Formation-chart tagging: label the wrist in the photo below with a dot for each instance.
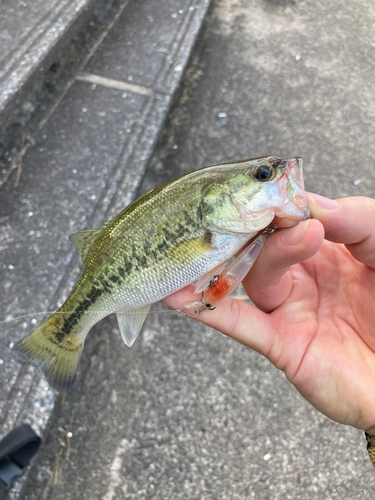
(370, 447)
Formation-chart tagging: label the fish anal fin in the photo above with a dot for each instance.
(83, 241)
(130, 323)
(204, 282)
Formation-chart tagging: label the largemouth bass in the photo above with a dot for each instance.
(168, 238)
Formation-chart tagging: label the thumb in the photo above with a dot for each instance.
(350, 221)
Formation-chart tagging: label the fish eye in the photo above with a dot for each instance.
(265, 172)
(208, 306)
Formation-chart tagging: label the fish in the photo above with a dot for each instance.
(176, 234)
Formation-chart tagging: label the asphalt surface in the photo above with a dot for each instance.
(188, 413)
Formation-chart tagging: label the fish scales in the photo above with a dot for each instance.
(138, 256)
(163, 241)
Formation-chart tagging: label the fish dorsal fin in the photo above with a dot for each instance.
(130, 323)
(83, 241)
(204, 282)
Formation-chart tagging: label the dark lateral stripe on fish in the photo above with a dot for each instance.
(128, 266)
(83, 305)
(57, 338)
(141, 260)
(169, 235)
(164, 245)
(95, 292)
(137, 261)
(194, 223)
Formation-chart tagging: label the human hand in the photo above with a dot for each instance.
(314, 286)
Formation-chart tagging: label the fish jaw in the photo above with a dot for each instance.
(292, 191)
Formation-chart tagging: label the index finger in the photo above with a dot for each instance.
(239, 320)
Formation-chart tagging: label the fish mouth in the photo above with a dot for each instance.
(292, 188)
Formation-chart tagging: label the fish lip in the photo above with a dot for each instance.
(300, 180)
(294, 169)
(291, 186)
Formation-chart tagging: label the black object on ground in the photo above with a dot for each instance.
(16, 451)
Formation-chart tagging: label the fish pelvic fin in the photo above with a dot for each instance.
(54, 352)
(130, 323)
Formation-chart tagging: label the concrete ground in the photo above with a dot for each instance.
(187, 413)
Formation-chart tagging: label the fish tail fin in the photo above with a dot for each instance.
(54, 352)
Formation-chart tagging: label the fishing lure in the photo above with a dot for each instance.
(222, 284)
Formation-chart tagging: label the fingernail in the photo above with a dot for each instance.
(295, 236)
(322, 202)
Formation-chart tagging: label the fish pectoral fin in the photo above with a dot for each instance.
(83, 241)
(204, 282)
(130, 323)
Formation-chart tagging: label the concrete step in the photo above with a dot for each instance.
(39, 41)
(30, 30)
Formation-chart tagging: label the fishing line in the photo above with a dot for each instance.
(8, 344)
(10, 320)
(267, 232)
